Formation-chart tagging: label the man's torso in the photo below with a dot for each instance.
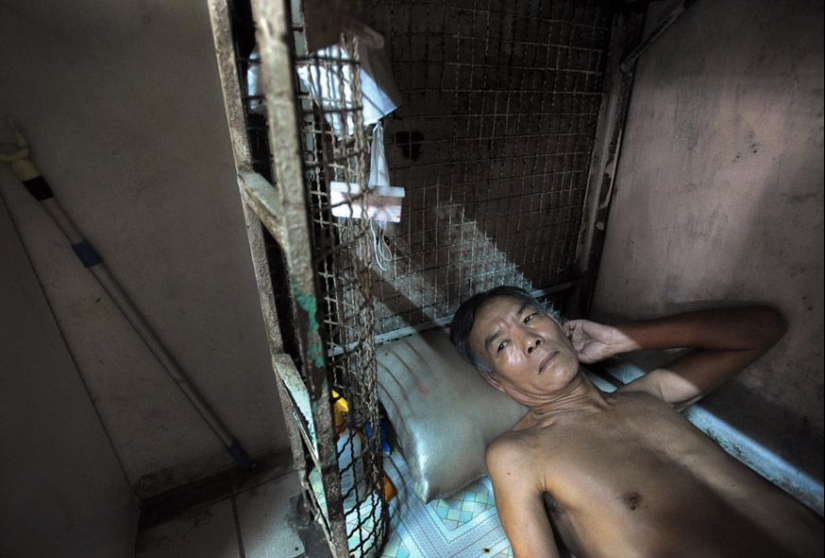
(637, 479)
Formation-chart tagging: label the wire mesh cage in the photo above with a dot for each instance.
(337, 377)
(490, 137)
(492, 143)
(334, 151)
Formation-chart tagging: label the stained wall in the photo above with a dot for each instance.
(719, 194)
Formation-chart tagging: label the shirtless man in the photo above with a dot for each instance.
(623, 474)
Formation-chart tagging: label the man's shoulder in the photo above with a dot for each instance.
(519, 444)
(508, 443)
(509, 452)
(543, 444)
(521, 458)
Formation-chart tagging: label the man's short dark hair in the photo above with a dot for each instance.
(465, 316)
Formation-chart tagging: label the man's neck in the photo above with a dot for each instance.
(579, 395)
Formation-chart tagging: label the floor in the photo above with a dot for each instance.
(254, 516)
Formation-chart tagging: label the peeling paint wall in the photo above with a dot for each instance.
(719, 194)
(121, 103)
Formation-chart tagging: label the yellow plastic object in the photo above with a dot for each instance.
(340, 408)
(389, 489)
(20, 160)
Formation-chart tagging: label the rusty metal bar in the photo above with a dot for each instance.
(274, 37)
(225, 53)
(263, 199)
(630, 60)
(627, 29)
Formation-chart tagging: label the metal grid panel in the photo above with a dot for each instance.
(493, 145)
(354, 511)
(334, 148)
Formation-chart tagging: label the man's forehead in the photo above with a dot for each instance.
(500, 307)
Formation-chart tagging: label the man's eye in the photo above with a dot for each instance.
(501, 346)
(529, 318)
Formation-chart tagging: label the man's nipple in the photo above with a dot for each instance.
(632, 499)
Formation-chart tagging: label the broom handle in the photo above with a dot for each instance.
(24, 168)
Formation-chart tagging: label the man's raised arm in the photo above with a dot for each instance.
(723, 343)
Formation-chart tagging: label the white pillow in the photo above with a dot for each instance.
(443, 412)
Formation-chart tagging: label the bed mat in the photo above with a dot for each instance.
(463, 525)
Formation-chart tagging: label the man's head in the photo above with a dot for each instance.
(517, 345)
(464, 319)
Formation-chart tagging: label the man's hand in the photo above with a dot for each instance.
(594, 342)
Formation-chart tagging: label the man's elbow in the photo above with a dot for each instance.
(771, 326)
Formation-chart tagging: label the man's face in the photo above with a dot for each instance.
(525, 347)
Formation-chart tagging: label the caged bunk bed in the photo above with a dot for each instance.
(395, 157)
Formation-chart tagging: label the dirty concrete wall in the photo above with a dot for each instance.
(719, 192)
(121, 103)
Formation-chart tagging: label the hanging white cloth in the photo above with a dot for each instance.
(330, 81)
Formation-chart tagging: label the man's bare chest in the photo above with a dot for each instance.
(631, 457)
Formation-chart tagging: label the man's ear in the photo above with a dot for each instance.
(493, 380)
